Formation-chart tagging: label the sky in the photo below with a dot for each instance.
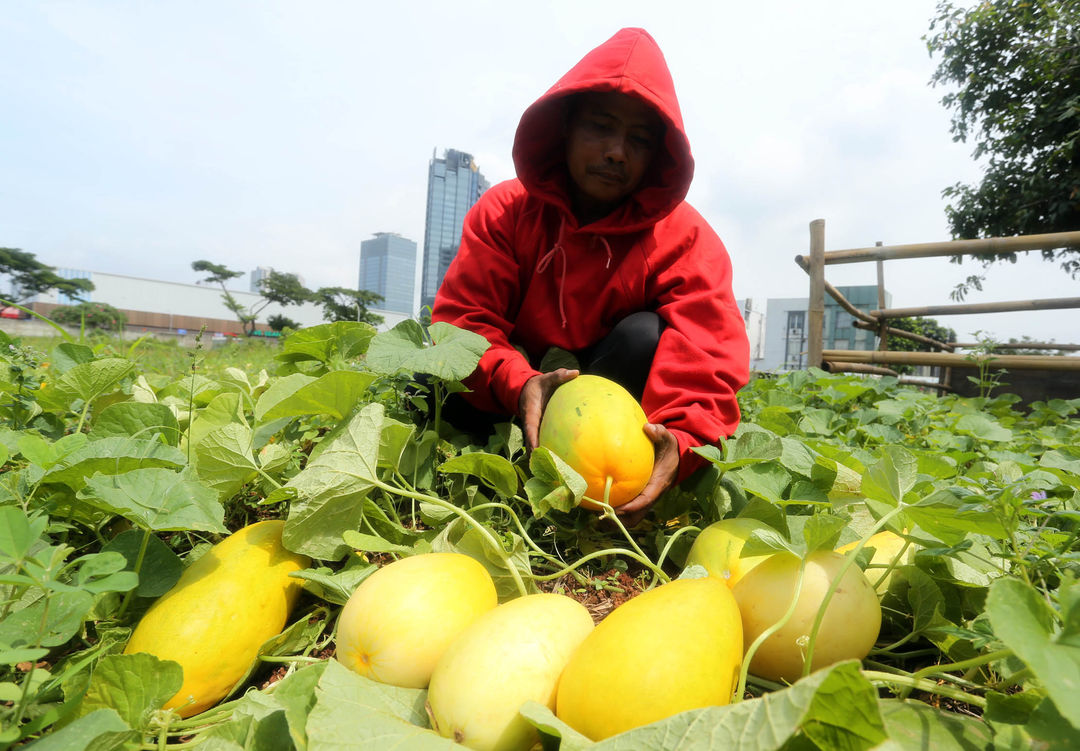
(136, 138)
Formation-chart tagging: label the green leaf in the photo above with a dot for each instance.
(888, 479)
(112, 456)
(496, 471)
(66, 355)
(333, 485)
(161, 567)
(951, 519)
(223, 409)
(372, 544)
(102, 730)
(915, 726)
(822, 531)
(325, 342)
(157, 499)
(104, 572)
(1024, 622)
(225, 461)
(352, 712)
(18, 533)
(89, 380)
(134, 685)
(766, 480)
(335, 394)
(453, 355)
(554, 484)
(138, 420)
(983, 428)
(48, 622)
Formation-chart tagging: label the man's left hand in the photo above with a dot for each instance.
(665, 471)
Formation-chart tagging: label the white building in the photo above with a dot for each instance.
(159, 305)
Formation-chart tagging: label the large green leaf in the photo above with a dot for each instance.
(1022, 619)
(496, 471)
(112, 456)
(331, 488)
(89, 380)
(335, 394)
(102, 730)
(156, 499)
(352, 712)
(134, 685)
(225, 460)
(452, 355)
(137, 419)
(46, 622)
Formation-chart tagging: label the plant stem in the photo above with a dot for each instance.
(745, 669)
(483, 531)
(130, 594)
(835, 584)
(909, 683)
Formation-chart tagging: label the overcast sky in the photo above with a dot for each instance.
(138, 137)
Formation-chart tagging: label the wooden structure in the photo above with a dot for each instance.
(882, 360)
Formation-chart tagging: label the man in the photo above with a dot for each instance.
(593, 249)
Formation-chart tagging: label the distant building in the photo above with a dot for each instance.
(786, 327)
(388, 268)
(155, 305)
(755, 329)
(454, 185)
(257, 275)
(261, 272)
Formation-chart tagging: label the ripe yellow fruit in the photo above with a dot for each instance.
(508, 656)
(401, 619)
(225, 605)
(848, 631)
(887, 546)
(719, 546)
(673, 648)
(596, 426)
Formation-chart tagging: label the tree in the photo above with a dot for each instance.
(927, 327)
(344, 304)
(1016, 69)
(30, 277)
(276, 287)
(278, 322)
(94, 315)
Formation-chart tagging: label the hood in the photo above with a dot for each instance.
(629, 63)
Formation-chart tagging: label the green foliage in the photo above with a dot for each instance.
(91, 315)
(1014, 70)
(29, 276)
(275, 287)
(118, 467)
(344, 304)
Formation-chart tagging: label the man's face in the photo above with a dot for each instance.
(611, 139)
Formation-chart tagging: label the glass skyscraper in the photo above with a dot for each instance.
(388, 268)
(454, 185)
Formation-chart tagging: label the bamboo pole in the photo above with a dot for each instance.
(835, 294)
(883, 328)
(986, 246)
(815, 323)
(1055, 303)
(952, 359)
(905, 335)
(857, 367)
(1019, 345)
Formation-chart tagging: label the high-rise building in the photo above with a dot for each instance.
(388, 268)
(257, 275)
(454, 185)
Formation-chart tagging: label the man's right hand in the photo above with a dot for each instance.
(534, 398)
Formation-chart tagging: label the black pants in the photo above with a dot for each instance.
(625, 356)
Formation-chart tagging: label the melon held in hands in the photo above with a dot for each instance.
(596, 426)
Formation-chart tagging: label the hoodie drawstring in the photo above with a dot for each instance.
(558, 249)
(546, 260)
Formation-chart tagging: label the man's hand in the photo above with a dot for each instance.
(665, 471)
(534, 398)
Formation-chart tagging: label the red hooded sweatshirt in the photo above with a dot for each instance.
(527, 275)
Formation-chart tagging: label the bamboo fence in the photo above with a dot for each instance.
(882, 361)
